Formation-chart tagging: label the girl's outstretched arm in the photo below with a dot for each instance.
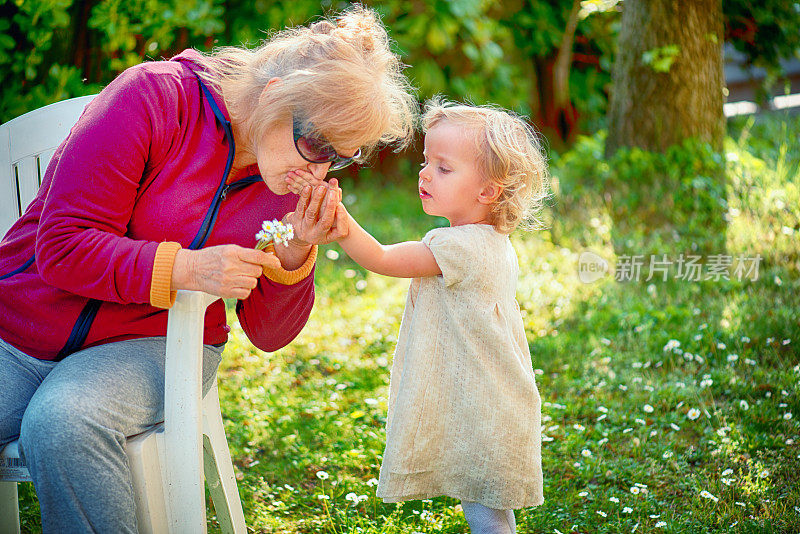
(409, 259)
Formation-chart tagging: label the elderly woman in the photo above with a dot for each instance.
(162, 185)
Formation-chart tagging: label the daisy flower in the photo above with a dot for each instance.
(706, 495)
(276, 231)
(693, 414)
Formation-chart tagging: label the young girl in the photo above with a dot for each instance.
(464, 411)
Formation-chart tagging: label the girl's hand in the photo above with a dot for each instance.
(227, 271)
(297, 179)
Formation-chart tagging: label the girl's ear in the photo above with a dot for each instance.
(490, 193)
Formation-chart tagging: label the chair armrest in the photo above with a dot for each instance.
(183, 413)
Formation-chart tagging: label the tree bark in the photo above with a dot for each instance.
(654, 110)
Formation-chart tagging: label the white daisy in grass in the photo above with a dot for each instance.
(744, 405)
(693, 414)
(667, 455)
(707, 495)
(372, 482)
(635, 490)
(601, 513)
(586, 453)
(787, 416)
(732, 357)
(661, 524)
(322, 475)
(671, 345)
(674, 427)
(627, 510)
(613, 499)
(647, 408)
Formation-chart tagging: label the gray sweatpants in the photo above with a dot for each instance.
(72, 417)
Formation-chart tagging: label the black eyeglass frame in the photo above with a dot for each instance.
(337, 160)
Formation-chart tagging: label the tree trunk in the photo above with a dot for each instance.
(652, 108)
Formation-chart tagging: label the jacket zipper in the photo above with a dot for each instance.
(18, 270)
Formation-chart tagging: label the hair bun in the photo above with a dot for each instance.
(361, 27)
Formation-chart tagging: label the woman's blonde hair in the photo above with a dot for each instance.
(508, 153)
(338, 74)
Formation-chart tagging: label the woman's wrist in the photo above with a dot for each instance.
(294, 255)
(182, 271)
(288, 277)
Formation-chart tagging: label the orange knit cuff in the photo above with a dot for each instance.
(161, 295)
(288, 278)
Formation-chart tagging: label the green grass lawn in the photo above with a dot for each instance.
(669, 406)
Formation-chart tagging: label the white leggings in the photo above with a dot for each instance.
(484, 520)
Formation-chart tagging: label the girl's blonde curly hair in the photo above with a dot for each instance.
(509, 154)
(337, 74)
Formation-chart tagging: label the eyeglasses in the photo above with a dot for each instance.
(318, 149)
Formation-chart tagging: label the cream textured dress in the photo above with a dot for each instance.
(464, 416)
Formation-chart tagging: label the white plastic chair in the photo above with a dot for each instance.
(168, 461)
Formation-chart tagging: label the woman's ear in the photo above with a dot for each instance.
(490, 193)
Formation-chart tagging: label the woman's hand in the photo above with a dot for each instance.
(319, 217)
(227, 271)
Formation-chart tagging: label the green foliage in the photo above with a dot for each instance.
(55, 49)
(479, 50)
(765, 31)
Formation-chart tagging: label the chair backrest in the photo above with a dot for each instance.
(26, 145)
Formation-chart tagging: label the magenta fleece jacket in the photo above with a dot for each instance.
(144, 164)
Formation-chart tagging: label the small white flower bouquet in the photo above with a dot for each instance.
(276, 231)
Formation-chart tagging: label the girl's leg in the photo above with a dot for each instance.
(484, 520)
(20, 375)
(74, 430)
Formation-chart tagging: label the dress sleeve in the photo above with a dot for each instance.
(94, 178)
(451, 251)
